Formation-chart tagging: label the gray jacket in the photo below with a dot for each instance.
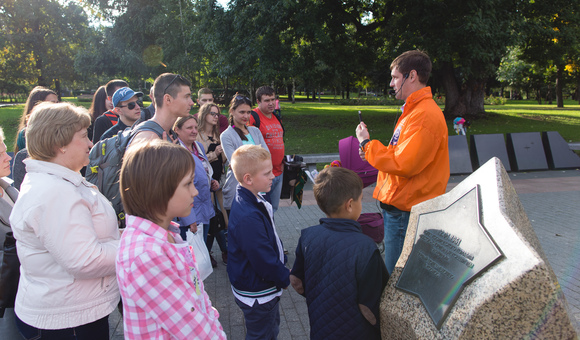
(231, 141)
(6, 209)
(7, 324)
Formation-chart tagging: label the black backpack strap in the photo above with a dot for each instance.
(280, 121)
(256, 118)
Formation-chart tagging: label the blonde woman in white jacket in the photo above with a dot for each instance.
(66, 233)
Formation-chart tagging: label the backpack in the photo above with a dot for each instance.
(257, 120)
(105, 161)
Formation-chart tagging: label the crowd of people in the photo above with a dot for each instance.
(78, 265)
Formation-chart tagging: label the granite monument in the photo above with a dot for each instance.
(473, 268)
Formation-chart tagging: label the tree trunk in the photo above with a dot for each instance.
(470, 100)
(467, 100)
(559, 86)
(451, 87)
(41, 79)
(293, 91)
(347, 90)
(578, 88)
(226, 90)
(57, 88)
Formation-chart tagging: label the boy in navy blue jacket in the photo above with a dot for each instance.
(339, 269)
(256, 260)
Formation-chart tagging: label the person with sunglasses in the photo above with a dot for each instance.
(109, 118)
(126, 107)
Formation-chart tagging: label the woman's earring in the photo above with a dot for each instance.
(63, 150)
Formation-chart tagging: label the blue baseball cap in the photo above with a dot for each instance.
(124, 93)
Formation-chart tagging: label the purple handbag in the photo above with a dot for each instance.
(373, 226)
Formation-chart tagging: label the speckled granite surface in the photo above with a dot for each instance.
(516, 298)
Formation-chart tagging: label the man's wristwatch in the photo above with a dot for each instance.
(363, 143)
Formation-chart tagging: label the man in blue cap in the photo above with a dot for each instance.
(126, 107)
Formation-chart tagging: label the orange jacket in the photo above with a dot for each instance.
(415, 164)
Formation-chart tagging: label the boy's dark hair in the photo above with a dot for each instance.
(334, 186)
(114, 85)
(168, 83)
(414, 60)
(264, 90)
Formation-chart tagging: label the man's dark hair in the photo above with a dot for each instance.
(168, 83)
(114, 85)
(264, 90)
(335, 186)
(414, 60)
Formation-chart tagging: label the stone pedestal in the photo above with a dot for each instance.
(473, 251)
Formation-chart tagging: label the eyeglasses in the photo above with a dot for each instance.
(240, 97)
(171, 82)
(215, 114)
(130, 105)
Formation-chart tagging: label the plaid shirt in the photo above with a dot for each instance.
(163, 295)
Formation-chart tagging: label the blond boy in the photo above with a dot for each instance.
(256, 260)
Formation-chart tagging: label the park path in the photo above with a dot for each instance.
(551, 200)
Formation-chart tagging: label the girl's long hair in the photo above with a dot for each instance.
(37, 95)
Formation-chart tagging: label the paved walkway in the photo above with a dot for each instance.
(551, 200)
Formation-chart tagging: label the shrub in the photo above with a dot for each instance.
(491, 100)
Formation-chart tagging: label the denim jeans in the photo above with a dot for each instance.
(274, 195)
(262, 321)
(97, 330)
(396, 222)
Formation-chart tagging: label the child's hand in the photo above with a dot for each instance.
(193, 227)
(297, 284)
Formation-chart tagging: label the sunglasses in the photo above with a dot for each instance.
(130, 105)
(240, 97)
(173, 80)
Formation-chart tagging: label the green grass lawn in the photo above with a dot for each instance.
(316, 127)
(313, 127)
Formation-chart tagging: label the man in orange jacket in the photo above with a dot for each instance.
(414, 166)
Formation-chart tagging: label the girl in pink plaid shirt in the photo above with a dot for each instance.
(163, 294)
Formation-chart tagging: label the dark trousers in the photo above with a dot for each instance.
(221, 240)
(262, 321)
(97, 330)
